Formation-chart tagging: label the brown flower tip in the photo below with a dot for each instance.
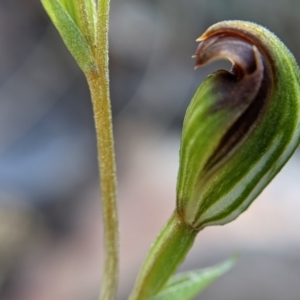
(245, 88)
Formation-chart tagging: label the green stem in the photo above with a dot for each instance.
(106, 160)
(99, 87)
(166, 254)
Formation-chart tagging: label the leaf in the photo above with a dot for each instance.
(187, 285)
(71, 34)
(88, 9)
(83, 13)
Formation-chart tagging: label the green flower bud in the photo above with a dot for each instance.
(241, 126)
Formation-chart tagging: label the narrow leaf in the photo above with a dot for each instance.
(87, 19)
(186, 286)
(71, 7)
(71, 34)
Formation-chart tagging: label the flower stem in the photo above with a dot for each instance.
(166, 254)
(99, 87)
(106, 159)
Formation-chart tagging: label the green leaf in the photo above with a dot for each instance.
(187, 285)
(90, 11)
(83, 13)
(71, 7)
(71, 34)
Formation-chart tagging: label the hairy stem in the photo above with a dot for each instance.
(103, 123)
(99, 86)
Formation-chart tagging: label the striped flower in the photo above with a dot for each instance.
(241, 126)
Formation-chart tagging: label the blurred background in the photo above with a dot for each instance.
(50, 225)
